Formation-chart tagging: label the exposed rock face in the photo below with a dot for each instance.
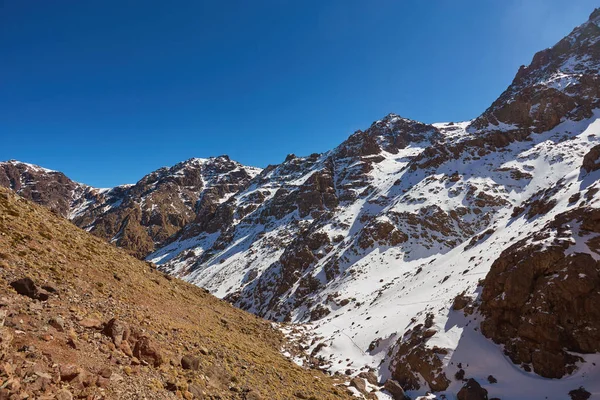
(413, 359)
(51, 189)
(472, 390)
(395, 390)
(591, 161)
(541, 303)
(135, 217)
(561, 82)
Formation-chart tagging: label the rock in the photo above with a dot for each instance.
(25, 287)
(472, 390)
(68, 372)
(536, 305)
(50, 289)
(580, 394)
(190, 362)
(591, 161)
(395, 390)
(105, 372)
(359, 384)
(91, 323)
(102, 382)
(64, 394)
(117, 330)
(147, 350)
(461, 301)
(126, 349)
(369, 377)
(57, 323)
(414, 359)
(491, 379)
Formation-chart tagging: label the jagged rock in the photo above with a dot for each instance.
(395, 390)
(117, 330)
(146, 349)
(536, 304)
(413, 359)
(591, 161)
(68, 372)
(472, 390)
(461, 301)
(359, 384)
(580, 394)
(369, 377)
(57, 323)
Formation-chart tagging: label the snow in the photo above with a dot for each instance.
(384, 280)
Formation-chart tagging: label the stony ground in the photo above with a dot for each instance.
(82, 319)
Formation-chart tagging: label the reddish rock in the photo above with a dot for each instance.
(147, 350)
(395, 390)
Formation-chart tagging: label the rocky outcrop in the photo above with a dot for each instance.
(542, 304)
(414, 361)
(591, 161)
(561, 82)
(472, 390)
(52, 189)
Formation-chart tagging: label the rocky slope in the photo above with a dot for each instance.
(82, 319)
(452, 257)
(135, 217)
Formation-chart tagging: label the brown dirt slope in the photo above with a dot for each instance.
(56, 342)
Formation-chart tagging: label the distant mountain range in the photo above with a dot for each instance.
(431, 254)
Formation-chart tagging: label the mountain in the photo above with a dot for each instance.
(449, 257)
(461, 258)
(80, 318)
(135, 217)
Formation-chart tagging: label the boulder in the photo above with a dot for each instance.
(25, 287)
(472, 390)
(190, 362)
(360, 384)
(117, 330)
(147, 350)
(395, 390)
(591, 161)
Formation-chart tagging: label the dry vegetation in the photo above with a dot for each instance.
(60, 347)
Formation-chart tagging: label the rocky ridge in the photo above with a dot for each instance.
(135, 217)
(371, 242)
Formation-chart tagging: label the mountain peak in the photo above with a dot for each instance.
(595, 16)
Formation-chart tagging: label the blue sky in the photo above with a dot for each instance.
(107, 91)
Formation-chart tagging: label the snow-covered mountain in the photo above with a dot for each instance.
(432, 254)
(136, 217)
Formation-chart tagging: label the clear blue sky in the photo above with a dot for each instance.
(107, 91)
